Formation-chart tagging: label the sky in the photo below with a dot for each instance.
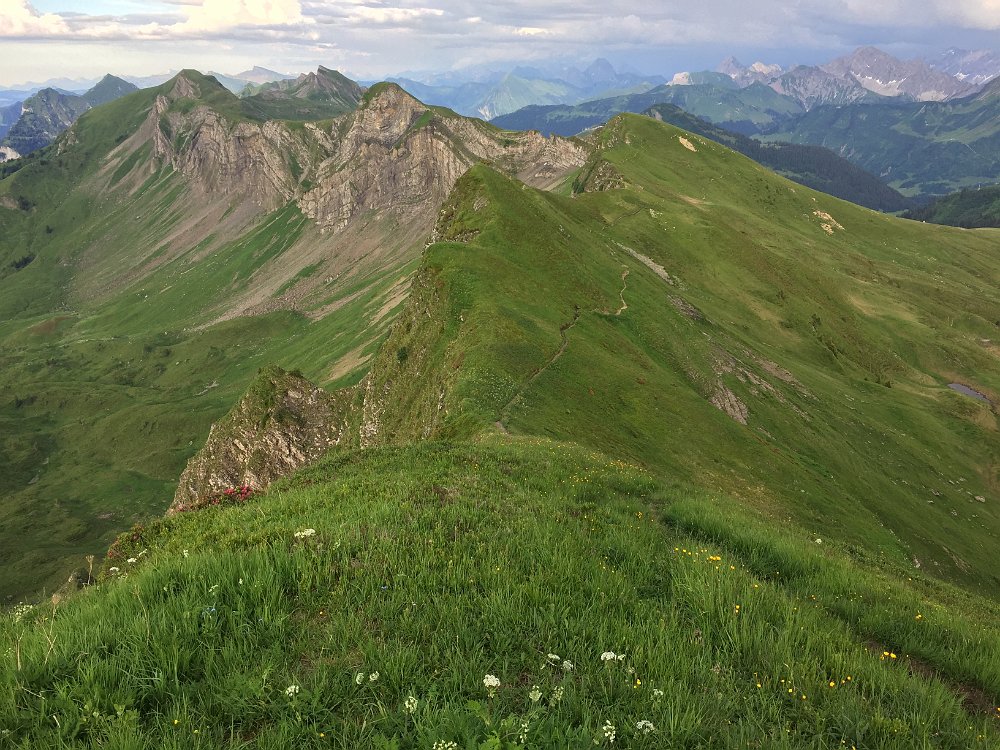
(370, 39)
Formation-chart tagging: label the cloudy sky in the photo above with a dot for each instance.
(41, 39)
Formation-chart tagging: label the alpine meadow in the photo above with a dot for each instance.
(332, 418)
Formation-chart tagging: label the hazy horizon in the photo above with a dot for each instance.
(373, 39)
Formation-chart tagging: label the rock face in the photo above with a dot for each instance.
(401, 156)
(282, 423)
(393, 154)
(812, 86)
(888, 76)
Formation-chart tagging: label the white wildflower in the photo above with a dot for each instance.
(609, 731)
(213, 588)
(522, 735)
(621, 657)
(554, 658)
(372, 677)
(557, 693)
(359, 678)
(492, 683)
(113, 569)
(305, 533)
(645, 726)
(410, 704)
(292, 690)
(609, 656)
(131, 560)
(567, 665)
(445, 745)
(657, 693)
(186, 553)
(535, 694)
(819, 541)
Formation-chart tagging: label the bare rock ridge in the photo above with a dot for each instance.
(282, 423)
(392, 154)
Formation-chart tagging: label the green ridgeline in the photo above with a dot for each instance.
(818, 577)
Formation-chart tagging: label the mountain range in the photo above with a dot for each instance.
(500, 94)
(479, 436)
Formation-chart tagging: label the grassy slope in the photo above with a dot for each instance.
(866, 443)
(107, 394)
(436, 565)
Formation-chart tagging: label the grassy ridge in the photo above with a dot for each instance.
(838, 341)
(434, 566)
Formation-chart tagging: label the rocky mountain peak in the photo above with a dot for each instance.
(886, 75)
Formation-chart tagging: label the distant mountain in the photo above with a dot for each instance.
(258, 74)
(49, 112)
(812, 86)
(311, 96)
(748, 110)
(884, 74)
(493, 95)
(919, 148)
(970, 208)
(703, 76)
(745, 75)
(973, 67)
(8, 116)
(812, 166)
(44, 116)
(107, 90)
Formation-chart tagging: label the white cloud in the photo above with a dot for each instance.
(18, 18)
(215, 15)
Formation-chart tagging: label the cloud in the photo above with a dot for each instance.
(19, 19)
(215, 15)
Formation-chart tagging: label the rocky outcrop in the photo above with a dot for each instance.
(282, 423)
(400, 156)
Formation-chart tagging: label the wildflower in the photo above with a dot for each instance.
(522, 735)
(410, 704)
(131, 560)
(535, 694)
(567, 665)
(213, 588)
(176, 722)
(657, 693)
(609, 731)
(373, 677)
(833, 684)
(445, 745)
(819, 541)
(359, 678)
(492, 683)
(609, 656)
(113, 570)
(186, 553)
(919, 616)
(554, 658)
(292, 690)
(557, 694)
(305, 533)
(645, 726)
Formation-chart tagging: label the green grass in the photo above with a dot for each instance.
(840, 345)
(434, 566)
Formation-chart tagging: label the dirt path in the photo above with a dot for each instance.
(563, 330)
(563, 344)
